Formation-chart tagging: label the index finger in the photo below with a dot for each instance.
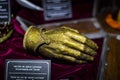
(82, 39)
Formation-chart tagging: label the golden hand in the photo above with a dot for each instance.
(62, 43)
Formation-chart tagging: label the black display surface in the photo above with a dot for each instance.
(5, 12)
(28, 70)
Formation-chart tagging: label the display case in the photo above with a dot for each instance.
(82, 16)
(112, 69)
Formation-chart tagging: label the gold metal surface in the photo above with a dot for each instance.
(61, 43)
(6, 36)
(5, 32)
(33, 38)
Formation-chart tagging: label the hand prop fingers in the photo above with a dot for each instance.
(51, 54)
(79, 46)
(82, 39)
(65, 50)
(77, 54)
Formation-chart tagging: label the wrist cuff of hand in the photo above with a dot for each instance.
(33, 38)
